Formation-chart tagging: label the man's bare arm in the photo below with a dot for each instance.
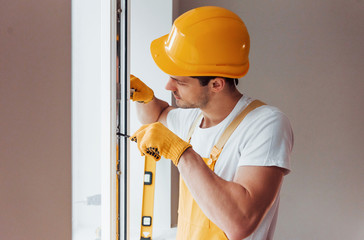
(154, 111)
(149, 108)
(237, 207)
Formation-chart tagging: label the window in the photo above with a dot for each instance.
(93, 120)
(97, 115)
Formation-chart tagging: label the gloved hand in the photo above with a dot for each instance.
(142, 92)
(157, 140)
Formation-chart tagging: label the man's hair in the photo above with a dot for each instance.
(204, 80)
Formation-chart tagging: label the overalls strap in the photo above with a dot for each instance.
(229, 130)
(193, 126)
(192, 222)
(216, 150)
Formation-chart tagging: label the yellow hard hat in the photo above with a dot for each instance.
(205, 41)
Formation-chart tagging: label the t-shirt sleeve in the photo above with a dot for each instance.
(180, 120)
(269, 141)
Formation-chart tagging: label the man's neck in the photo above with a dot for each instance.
(219, 108)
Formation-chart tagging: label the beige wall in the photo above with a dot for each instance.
(35, 125)
(307, 59)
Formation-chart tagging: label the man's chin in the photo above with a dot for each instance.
(179, 103)
(182, 104)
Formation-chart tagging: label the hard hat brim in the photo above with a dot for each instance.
(171, 67)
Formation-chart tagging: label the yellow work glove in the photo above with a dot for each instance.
(157, 140)
(142, 93)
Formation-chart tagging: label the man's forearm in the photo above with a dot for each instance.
(237, 210)
(214, 195)
(150, 112)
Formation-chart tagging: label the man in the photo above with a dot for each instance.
(232, 152)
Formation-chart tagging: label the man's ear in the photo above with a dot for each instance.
(217, 84)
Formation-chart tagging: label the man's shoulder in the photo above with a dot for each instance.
(185, 111)
(267, 115)
(182, 118)
(183, 114)
(267, 110)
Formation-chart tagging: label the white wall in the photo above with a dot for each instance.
(307, 59)
(35, 119)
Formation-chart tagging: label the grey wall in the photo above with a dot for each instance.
(35, 119)
(307, 59)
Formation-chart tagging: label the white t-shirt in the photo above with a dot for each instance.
(263, 138)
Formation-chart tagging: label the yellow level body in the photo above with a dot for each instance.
(148, 198)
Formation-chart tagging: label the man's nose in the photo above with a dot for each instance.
(170, 85)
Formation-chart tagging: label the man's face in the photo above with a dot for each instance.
(188, 92)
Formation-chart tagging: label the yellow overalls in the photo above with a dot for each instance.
(192, 222)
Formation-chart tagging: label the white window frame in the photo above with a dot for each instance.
(94, 32)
